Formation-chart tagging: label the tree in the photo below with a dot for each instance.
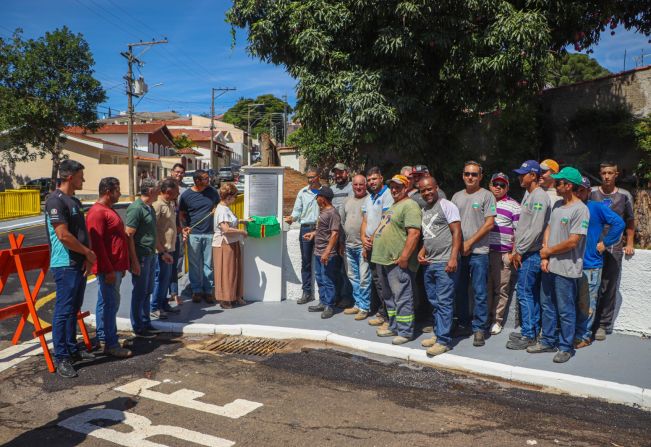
(266, 118)
(404, 75)
(573, 68)
(46, 84)
(182, 141)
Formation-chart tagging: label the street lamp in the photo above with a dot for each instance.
(249, 107)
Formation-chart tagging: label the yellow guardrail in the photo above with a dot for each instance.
(19, 203)
(238, 207)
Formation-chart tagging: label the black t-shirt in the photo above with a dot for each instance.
(198, 205)
(61, 208)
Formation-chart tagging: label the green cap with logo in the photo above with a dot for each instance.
(569, 174)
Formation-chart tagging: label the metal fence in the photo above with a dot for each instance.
(238, 207)
(19, 203)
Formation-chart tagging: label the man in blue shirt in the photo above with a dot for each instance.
(306, 212)
(593, 261)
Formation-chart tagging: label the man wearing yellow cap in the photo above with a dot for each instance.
(547, 168)
(394, 252)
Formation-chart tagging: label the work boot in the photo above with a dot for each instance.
(65, 369)
(381, 332)
(196, 297)
(351, 311)
(436, 349)
(328, 312)
(118, 352)
(316, 308)
(428, 342)
(306, 298)
(479, 339)
(515, 336)
(539, 348)
(400, 340)
(209, 298)
(520, 343)
(361, 315)
(562, 357)
(376, 321)
(153, 330)
(144, 334)
(428, 329)
(600, 334)
(81, 355)
(580, 343)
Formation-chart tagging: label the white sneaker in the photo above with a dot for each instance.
(496, 329)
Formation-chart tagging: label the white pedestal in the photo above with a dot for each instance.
(263, 258)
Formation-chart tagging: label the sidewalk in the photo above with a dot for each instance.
(615, 370)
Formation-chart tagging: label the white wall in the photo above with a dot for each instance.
(634, 298)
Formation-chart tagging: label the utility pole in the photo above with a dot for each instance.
(223, 90)
(130, 94)
(248, 128)
(285, 121)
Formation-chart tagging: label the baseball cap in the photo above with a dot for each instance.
(527, 167)
(500, 176)
(340, 167)
(585, 182)
(400, 179)
(549, 164)
(570, 174)
(325, 192)
(420, 169)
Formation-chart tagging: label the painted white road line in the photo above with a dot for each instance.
(187, 399)
(13, 355)
(142, 429)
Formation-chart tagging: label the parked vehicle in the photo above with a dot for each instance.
(42, 184)
(240, 184)
(226, 174)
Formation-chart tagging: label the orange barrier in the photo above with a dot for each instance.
(19, 260)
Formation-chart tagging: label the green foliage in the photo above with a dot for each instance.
(182, 141)
(46, 84)
(642, 131)
(573, 68)
(265, 118)
(324, 150)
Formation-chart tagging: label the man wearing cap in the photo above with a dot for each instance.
(342, 187)
(306, 212)
(562, 265)
(378, 202)
(477, 209)
(547, 168)
(620, 201)
(602, 218)
(534, 216)
(395, 245)
(327, 262)
(500, 239)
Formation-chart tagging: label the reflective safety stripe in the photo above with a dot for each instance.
(391, 313)
(405, 318)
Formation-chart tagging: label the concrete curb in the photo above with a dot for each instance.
(547, 380)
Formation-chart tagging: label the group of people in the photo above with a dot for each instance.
(165, 217)
(398, 247)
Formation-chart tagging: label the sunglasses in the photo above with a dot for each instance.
(499, 185)
(471, 174)
(311, 177)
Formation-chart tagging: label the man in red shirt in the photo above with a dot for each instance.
(110, 243)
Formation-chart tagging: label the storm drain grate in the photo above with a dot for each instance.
(263, 347)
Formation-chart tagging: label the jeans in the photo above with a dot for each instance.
(307, 250)
(473, 269)
(398, 296)
(200, 260)
(106, 311)
(326, 278)
(528, 293)
(162, 278)
(439, 286)
(558, 303)
(70, 288)
(359, 273)
(143, 286)
(586, 305)
(174, 278)
(610, 277)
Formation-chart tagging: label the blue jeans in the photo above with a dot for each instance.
(200, 260)
(143, 286)
(70, 288)
(174, 279)
(473, 269)
(439, 286)
(106, 311)
(586, 305)
(162, 278)
(307, 251)
(558, 303)
(326, 278)
(359, 273)
(528, 293)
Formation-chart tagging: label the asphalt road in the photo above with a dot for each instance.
(308, 396)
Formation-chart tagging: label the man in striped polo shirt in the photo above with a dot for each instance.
(500, 239)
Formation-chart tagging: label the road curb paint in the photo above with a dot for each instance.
(572, 385)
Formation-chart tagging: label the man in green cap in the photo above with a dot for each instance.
(562, 265)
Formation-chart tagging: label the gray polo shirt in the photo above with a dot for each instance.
(474, 209)
(564, 221)
(534, 215)
(341, 194)
(437, 237)
(351, 218)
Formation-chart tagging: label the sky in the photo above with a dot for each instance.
(200, 54)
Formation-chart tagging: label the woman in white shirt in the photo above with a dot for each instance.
(227, 252)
